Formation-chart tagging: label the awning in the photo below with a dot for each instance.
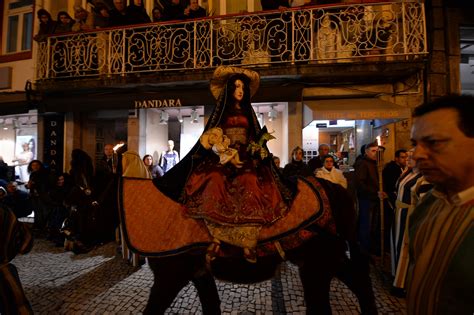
(353, 109)
(13, 103)
(151, 96)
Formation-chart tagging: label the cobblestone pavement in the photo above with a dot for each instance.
(100, 282)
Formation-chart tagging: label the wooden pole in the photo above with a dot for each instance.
(380, 152)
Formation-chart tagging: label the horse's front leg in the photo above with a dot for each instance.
(355, 273)
(170, 276)
(319, 266)
(207, 290)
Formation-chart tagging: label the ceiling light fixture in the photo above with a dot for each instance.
(164, 116)
(180, 116)
(272, 114)
(194, 116)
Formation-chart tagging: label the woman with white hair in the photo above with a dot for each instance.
(330, 173)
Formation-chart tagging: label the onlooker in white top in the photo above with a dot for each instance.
(330, 173)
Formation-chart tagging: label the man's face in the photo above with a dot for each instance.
(371, 153)
(64, 19)
(276, 161)
(119, 6)
(11, 188)
(170, 145)
(44, 19)
(323, 151)
(402, 159)
(108, 150)
(194, 4)
(442, 153)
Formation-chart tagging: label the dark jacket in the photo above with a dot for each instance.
(116, 18)
(390, 174)
(137, 15)
(366, 179)
(195, 14)
(296, 168)
(274, 4)
(173, 12)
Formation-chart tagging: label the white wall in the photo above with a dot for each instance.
(156, 135)
(190, 133)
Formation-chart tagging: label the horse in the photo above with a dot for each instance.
(315, 241)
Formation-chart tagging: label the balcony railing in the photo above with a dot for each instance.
(347, 33)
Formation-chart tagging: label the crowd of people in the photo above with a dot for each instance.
(112, 14)
(232, 182)
(77, 205)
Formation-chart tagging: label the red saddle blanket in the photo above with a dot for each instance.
(156, 226)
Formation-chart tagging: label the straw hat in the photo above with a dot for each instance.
(223, 73)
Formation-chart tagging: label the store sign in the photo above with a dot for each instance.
(54, 141)
(322, 125)
(159, 103)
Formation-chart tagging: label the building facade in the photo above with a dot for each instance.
(321, 66)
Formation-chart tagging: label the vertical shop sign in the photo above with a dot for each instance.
(54, 141)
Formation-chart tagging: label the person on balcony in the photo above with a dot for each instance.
(194, 10)
(118, 16)
(84, 20)
(157, 15)
(101, 15)
(173, 11)
(136, 13)
(64, 24)
(47, 25)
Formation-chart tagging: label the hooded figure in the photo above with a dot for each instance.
(47, 25)
(136, 13)
(234, 199)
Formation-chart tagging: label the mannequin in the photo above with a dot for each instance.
(169, 158)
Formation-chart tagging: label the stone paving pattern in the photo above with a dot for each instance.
(100, 282)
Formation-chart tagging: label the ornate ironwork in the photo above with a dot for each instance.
(346, 33)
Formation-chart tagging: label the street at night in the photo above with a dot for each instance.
(101, 282)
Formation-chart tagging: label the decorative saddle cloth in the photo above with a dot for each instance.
(154, 225)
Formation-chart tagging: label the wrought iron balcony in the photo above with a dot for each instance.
(343, 33)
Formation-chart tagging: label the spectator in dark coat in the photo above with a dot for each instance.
(173, 11)
(157, 15)
(391, 173)
(274, 4)
(18, 201)
(297, 167)
(194, 10)
(64, 23)
(367, 184)
(38, 186)
(4, 170)
(118, 16)
(318, 161)
(136, 13)
(101, 15)
(47, 25)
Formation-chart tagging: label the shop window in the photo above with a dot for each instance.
(19, 26)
